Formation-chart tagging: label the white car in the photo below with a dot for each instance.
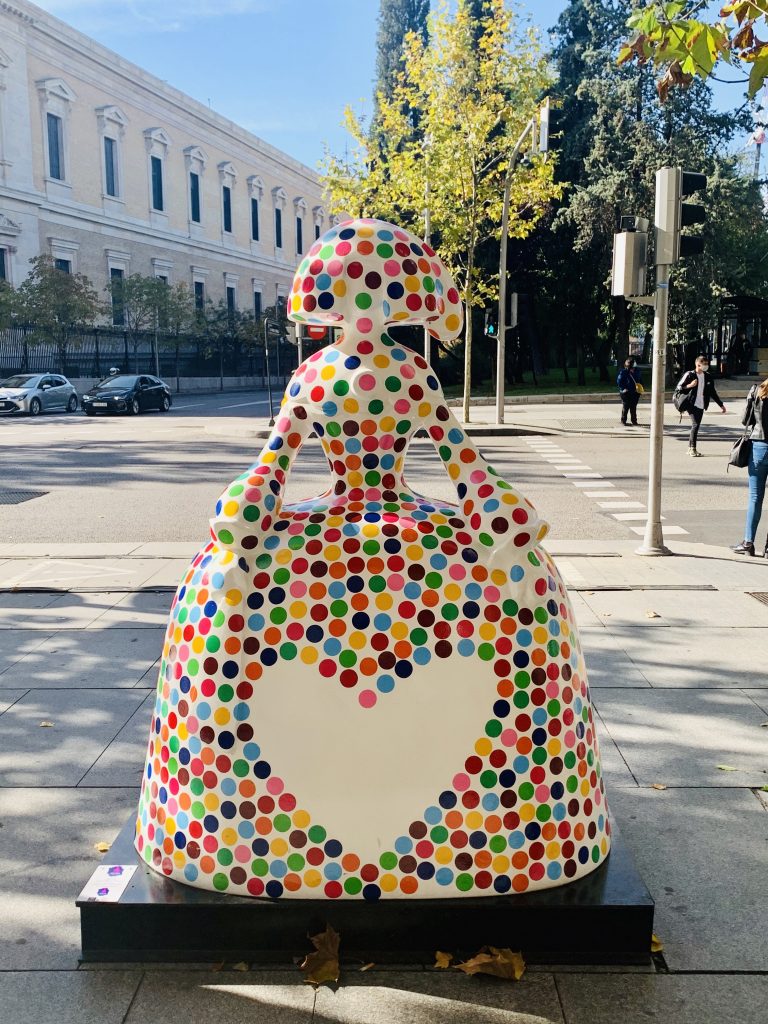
(34, 393)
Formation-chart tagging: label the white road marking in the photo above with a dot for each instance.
(629, 516)
(606, 494)
(590, 476)
(621, 504)
(668, 530)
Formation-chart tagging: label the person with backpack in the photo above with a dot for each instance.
(630, 389)
(756, 417)
(701, 389)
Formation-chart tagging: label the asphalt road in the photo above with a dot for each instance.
(157, 477)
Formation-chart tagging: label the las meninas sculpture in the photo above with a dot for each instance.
(370, 694)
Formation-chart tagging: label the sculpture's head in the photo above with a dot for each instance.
(368, 270)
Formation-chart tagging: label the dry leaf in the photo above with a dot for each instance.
(764, 725)
(501, 963)
(46, 725)
(606, 615)
(219, 966)
(241, 966)
(657, 946)
(323, 965)
(443, 960)
(650, 614)
(726, 768)
(658, 785)
(367, 967)
(101, 847)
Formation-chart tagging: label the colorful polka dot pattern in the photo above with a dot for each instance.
(366, 585)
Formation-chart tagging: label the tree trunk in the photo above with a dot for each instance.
(581, 377)
(467, 351)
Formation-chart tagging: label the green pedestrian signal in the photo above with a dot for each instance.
(491, 328)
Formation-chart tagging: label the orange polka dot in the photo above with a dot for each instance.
(368, 427)
(338, 627)
(505, 688)
(519, 860)
(365, 248)
(317, 591)
(453, 819)
(375, 565)
(359, 602)
(493, 823)
(369, 667)
(483, 858)
(207, 864)
(549, 831)
(578, 832)
(247, 788)
(253, 670)
(207, 755)
(520, 883)
(508, 626)
(338, 570)
(408, 885)
(350, 862)
(292, 883)
(524, 745)
(538, 656)
(467, 455)
(430, 598)
(272, 636)
(479, 573)
(403, 649)
(231, 645)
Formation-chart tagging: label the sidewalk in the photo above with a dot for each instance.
(676, 650)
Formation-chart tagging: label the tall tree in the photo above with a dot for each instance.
(474, 101)
(396, 19)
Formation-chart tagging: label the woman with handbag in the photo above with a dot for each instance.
(630, 389)
(756, 417)
(702, 388)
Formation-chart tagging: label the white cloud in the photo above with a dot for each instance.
(130, 16)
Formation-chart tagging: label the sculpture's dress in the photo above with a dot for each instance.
(371, 694)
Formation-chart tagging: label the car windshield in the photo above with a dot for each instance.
(121, 381)
(19, 381)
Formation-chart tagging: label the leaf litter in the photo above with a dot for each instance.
(322, 966)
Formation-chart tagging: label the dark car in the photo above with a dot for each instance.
(130, 393)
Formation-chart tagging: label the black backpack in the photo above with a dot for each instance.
(682, 399)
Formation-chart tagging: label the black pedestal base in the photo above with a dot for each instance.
(606, 917)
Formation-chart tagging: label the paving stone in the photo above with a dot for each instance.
(703, 855)
(66, 997)
(16, 644)
(439, 997)
(9, 697)
(760, 697)
(73, 658)
(615, 770)
(676, 607)
(223, 998)
(57, 611)
(679, 737)
(667, 999)
(144, 609)
(46, 856)
(122, 763)
(84, 724)
(607, 663)
(71, 573)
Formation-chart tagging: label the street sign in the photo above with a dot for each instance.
(316, 332)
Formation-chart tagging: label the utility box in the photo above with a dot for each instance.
(630, 254)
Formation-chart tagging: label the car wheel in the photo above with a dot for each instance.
(35, 407)
(72, 403)
(165, 405)
(133, 407)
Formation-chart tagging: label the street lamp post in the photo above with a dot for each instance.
(267, 322)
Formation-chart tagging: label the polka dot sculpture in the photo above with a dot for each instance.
(370, 694)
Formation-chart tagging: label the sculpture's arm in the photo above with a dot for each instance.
(251, 503)
(494, 510)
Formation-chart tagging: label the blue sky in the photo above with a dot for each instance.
(283, 69)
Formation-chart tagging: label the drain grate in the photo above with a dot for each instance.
(762, 598)
(16, 497)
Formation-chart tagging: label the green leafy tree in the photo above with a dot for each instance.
(8, 304)
(137, 301)
(672, 36)
(474, 99)
(396, 19)
(56, 304)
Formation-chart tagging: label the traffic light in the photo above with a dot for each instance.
(630, 249)
(491, 329)
(673, 185)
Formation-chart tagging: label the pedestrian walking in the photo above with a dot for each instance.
(705, 391)
(630, 389)
(756, 417)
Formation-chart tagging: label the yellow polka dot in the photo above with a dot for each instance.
(278, 846)
(384, 602)
(230, 508)
(412, 284)
(333, 553)
(229, 836)
(584, 787)
(388, 423)
(399, 630)
(483, 747)
(234, 597)
(182, 731)
(473, 819)
(357, 641)
(179, 859)
(198, 644)
(604, 845)
(170, 826)
(453, 471)
(500, 865)
(540, 635)
(443, 855)
(553, 850)
(554, 747)
(510, 499)
(400, 316)
(298, 610)
(355, 479)
(351, 405)
(312, 878)
(487, 631)
(424, 409)
(381, 361)
(527, 812)
(300, 819)
(211, 801)
(365, 232)
(414, 552)
(268, 456)
(452, 591)
(370, 530)
(388, 883)
(452, 322)
(221, 716)
(499, 577)
(335, 520)
(296, 303)
(327, 372)
(339, 288)
(309, 655)
(284, 557)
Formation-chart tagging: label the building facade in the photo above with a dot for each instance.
(114, 172)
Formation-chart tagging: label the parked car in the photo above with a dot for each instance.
(34, 393)
(129, 393)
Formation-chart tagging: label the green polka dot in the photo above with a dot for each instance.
(439, 834)
(259, 867)
(392, 384)
(193, 667)
(429, 284)
(493, 728)
(433, 580)
(225, 536)
(198, 808)
(487, 652)
(464, 882)
(339, 609)
(282, 576)
(498, 844)
(553, 708)
(540, 756)
(541, 615)
(376, 406)
(377, 584)
(173, 766)
(288, 651)
(225, 857)
(488, 779)
(225, 692)
(316, 834)
(372, 547)
(251, 513)
(384, 250)
(570, 759)
(220, 881)
(526, 790)
(572, 784)
(219, 618)
(418, 637)
(353, 886)
(388, 860)
(450, 612)
(282, 822)
(235, 490)
(295, 862)
(363, 300)
(240, 768)
(521, 699)
(341, 387)
(263, 561)
(278, 616)
(510, 607)
(543, 812)
(347, 659)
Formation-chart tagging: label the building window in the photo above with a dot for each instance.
(278, 228)
(55, 147)
(254, 219)
(257, 305)
(226, 200)
(317, 231)
(299, 237)
(65, 266)
(118, 312)
(110, 166)
(157, 182)
(231, 296)
(199, 295)
(3, 266)
(194, 197)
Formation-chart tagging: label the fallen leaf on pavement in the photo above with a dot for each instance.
(606, 615)
(240, 966)
(764, 725)
(657, 946)
(658, 785)
(726, 768)
(764, 789)
(443, 960)
(367, 967)
(501, 963)
(650, 614)
(323, 965)
(46, 725)
(101, 847)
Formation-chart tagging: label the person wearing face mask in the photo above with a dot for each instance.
(630, 389)
(702, 387)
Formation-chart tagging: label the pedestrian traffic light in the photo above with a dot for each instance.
(630, 248)
(673, 185)
(491, 328)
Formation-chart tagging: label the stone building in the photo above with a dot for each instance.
(114, 172)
